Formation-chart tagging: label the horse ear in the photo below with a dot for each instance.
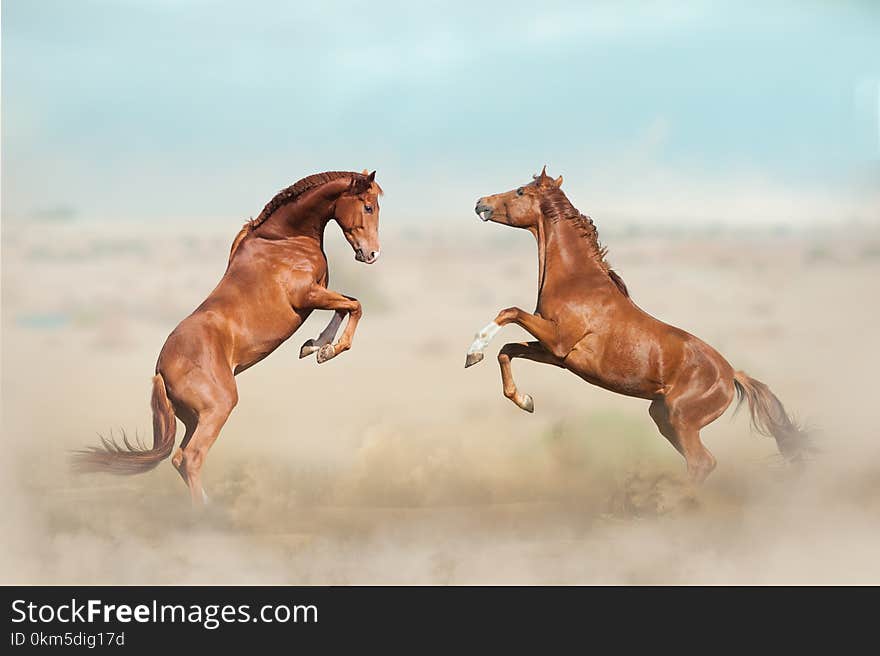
(544, 179)
(365, 172)
(370, 177)
(558, 182)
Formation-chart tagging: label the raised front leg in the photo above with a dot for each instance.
(324, 299)
(530, 351)
(543, 330)
(326, 337)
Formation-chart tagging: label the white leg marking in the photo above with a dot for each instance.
(482, 338)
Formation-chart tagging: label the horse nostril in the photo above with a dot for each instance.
(483, 211)
(374, 255)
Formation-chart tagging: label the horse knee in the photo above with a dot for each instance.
(193, 459)
(507, 315)
(226, 400)
(177, 459)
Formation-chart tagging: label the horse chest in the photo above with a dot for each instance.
(574, 317)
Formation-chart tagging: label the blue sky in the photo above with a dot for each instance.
(707, 111)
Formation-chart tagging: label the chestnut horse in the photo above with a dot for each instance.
(586, 322)
(276, 275)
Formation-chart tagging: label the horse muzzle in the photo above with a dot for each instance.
(483, 211)
(366, 258)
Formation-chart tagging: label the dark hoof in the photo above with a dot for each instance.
(472, 359)
(327, 352)
(307, 349)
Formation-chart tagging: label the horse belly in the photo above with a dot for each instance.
(259, 340)
(621, 370)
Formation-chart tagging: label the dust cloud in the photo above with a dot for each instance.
(392, 464)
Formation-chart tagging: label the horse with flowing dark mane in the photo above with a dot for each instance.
(586, 322)
(276, 275)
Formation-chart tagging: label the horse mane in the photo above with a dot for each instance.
(556, 206)
(245, 229)
(292, 193)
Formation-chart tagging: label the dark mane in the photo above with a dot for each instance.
(556, 206)
(294, 191)
(298, 188)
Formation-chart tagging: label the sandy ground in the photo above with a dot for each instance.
(392, 464)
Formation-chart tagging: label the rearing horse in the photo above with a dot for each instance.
(276, 275)
(586, 322)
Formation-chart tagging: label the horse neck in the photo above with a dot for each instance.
(563, 248)
(307, 216)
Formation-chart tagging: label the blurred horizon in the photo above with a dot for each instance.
(699, 113)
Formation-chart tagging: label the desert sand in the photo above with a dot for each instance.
(394, 464)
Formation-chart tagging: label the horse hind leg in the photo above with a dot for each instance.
(206, 402)
(660, 414)
(191, 422)
(680, 422)
(699, 396)
(193, 455)
(700, 461)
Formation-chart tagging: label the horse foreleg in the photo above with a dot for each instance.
(326, 337)
(543, 330)
(325, 299)
(530, 351)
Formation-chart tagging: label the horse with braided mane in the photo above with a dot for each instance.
(276, 276)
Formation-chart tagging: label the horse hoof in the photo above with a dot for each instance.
(527, 403)
(327, 352)
(472, 359)
(307, 349)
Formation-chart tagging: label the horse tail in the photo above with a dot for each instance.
(770, 418)
(134, 459)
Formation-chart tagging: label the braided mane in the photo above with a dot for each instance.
(556, 206)
(294, 191)
(298, 188)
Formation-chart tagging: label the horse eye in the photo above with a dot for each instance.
(368, 209)
(520, 191)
